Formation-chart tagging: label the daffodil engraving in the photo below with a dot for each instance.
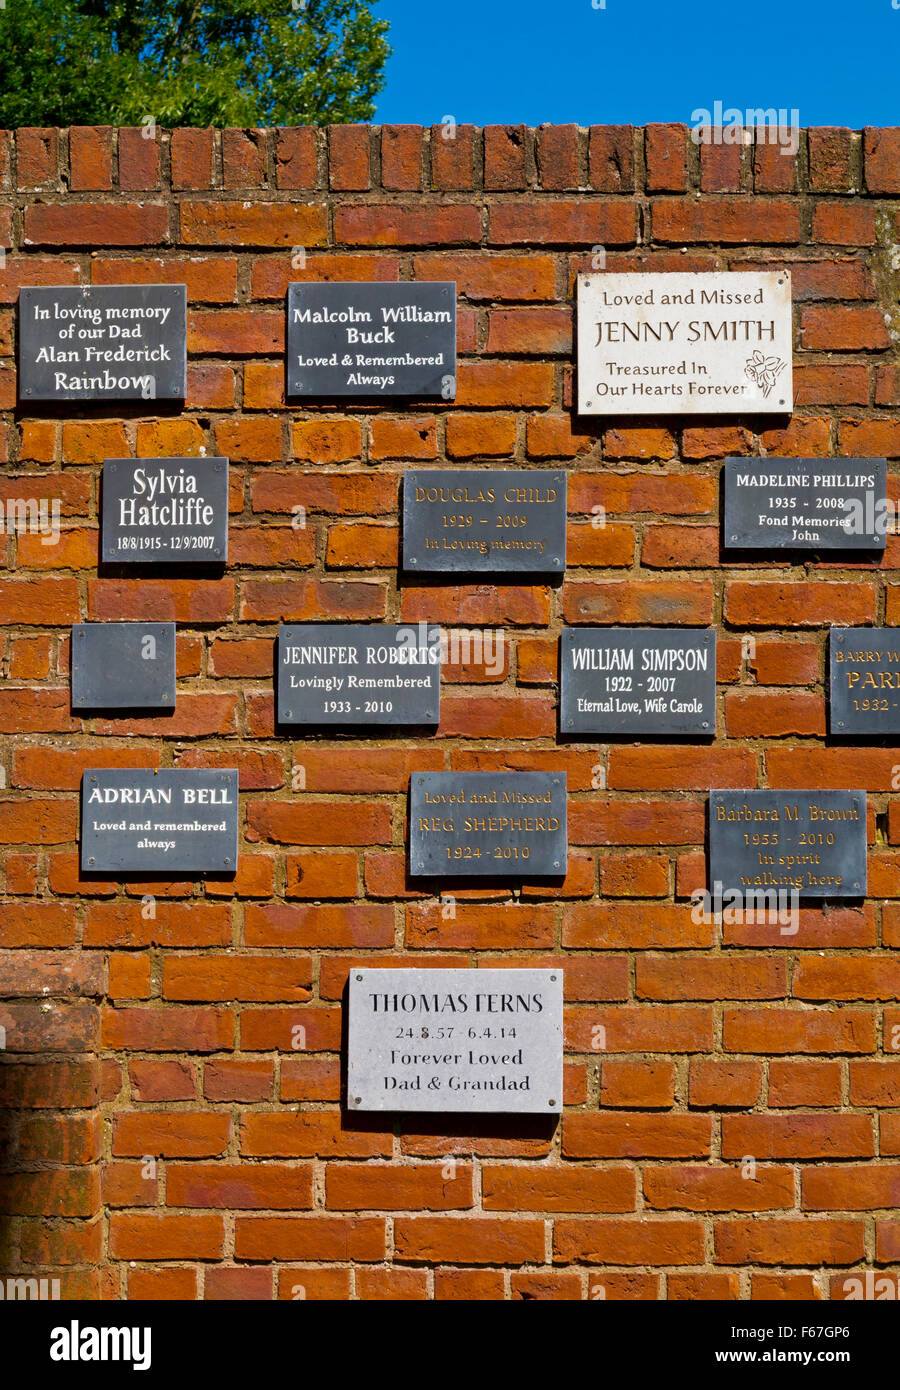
(763, 370)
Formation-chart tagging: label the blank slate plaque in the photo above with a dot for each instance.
(805, 504)
(103, 343)
(372, 339)
(354, 673)
(123, 666)
(636, 680)
(165, 511)
(809, 842)
(165, 822)
(499, 824)
(493, 519)
(486, 1041)
(864, 684)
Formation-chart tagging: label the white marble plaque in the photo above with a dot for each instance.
(479, 1040)
(685, 344)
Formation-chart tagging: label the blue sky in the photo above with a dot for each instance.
(633, 61)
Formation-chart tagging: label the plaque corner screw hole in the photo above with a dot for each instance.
(91, 859)
(359, 977)
(552, 1103)
(357, 1100)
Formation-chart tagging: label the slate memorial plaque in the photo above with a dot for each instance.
(123, 666)
(495, 520)
(359, 673)
(484, 1041)
(501, 824)
(812, 843)
(170, 821)
(103, 343)
(685, 343)
(635, 680)
(165, 511)
(864, 684)
(372, 339)
(805, 504)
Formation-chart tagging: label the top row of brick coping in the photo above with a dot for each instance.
(445, 157)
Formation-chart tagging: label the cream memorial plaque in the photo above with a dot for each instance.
(685, 344)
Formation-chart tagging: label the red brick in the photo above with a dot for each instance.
(789, 1242)
(242, 224)
(37, 152)
(564, 222)
(844, 224)
(775, 159)
(139, 158)
(612, 158)
(773, 604)
(724, 1083)
(452, 155)
(638, 602)
(882, 160)
(401, 157)
(720, 164)
(90, 157)
(830, 159)
(484, 276)
(666, 157)
(842, 329)
(244, 158)
(467, 1240)
(192, 158)
(506, 149)
(392, 224)
(636, 1242)
(731, 221)
(729, 1188)
(295, 157)
(556, 150)
(348, 157)
(96, 224)
(165, 1236)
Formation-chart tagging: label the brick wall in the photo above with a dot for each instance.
(161, 1137)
